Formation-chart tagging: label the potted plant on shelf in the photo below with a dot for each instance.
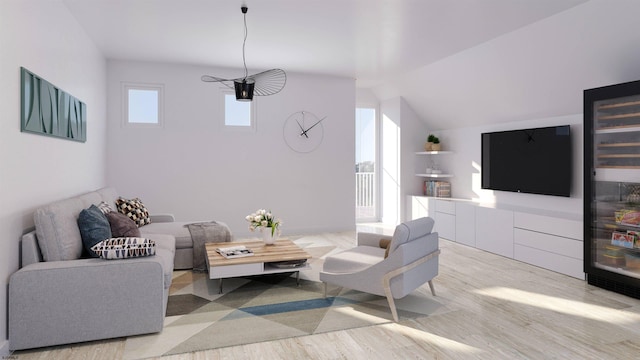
(429, 144)
(436, 144)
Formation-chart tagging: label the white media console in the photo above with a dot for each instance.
(548, 239)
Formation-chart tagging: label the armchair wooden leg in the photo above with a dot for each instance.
(433, 290)
(392, 306)
(325, 290)
(386, 280)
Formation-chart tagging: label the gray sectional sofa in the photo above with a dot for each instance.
(59, 297)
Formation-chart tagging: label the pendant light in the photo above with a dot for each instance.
(261, 84)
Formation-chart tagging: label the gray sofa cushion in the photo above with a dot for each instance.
(165, 252)
(177, 229)
(57, 228)
(109, 196)
(94, 228)
(353, 260)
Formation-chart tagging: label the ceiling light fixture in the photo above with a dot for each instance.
(261, 84)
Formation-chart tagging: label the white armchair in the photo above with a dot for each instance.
(412, 260)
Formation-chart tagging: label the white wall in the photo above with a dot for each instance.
(465, 165)
(403, 133)
(390, 160)
(366, 97)
(535, 72)
(197, 170)
(43, 37)
(414, 134)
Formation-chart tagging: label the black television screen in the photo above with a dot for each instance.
(536, 161)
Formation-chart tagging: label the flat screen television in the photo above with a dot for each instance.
(536, 161)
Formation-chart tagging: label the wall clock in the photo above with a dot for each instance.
(303, 131)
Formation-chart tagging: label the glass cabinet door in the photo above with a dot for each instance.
(615, 201)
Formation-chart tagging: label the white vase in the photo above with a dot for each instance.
(267, 236)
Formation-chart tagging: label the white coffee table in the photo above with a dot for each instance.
(264, 261)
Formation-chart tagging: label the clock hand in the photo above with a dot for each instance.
(304, 132)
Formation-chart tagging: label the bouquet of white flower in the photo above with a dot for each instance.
(263, 218)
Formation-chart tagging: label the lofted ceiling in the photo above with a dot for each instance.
(380, 43)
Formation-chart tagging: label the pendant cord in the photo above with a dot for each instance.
(244, 61)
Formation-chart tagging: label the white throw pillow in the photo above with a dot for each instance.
(124, 247)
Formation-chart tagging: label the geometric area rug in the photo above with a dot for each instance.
(261, 308)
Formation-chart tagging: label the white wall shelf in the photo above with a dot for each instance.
(432, 175)
(435, 175)
(433, 171)
(433, 152)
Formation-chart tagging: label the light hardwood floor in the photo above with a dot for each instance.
(495, 308)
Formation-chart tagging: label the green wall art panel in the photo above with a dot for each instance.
(47, 110)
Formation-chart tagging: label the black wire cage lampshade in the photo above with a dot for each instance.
(261, 84)
(244, 89)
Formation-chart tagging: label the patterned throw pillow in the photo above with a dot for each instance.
(135, 210)
(124, 248)
(104, 207)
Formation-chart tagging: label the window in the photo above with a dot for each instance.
(143, 104)
(238, 115)
(366, 169)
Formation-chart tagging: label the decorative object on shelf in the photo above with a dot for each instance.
(433, 169)
(268, 224)
(432, 144)
(47, 110)
(436, 146)
(437, 188)
(428, 146)
(303, 131)
(261, 84)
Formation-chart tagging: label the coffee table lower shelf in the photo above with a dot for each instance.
(230, 271)
(259, 263)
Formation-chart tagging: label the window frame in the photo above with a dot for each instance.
(159, 88)
(378, 189)
(252, 127)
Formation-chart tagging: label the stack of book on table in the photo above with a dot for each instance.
(234, 251)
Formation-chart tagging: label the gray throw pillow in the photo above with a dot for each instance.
(121, 225)
(94, 227)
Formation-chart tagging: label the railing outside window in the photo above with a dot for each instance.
(365, 191)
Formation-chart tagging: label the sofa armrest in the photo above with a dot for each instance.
(371, 239)
(30, 251)
(161, 218)
(60, 302)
